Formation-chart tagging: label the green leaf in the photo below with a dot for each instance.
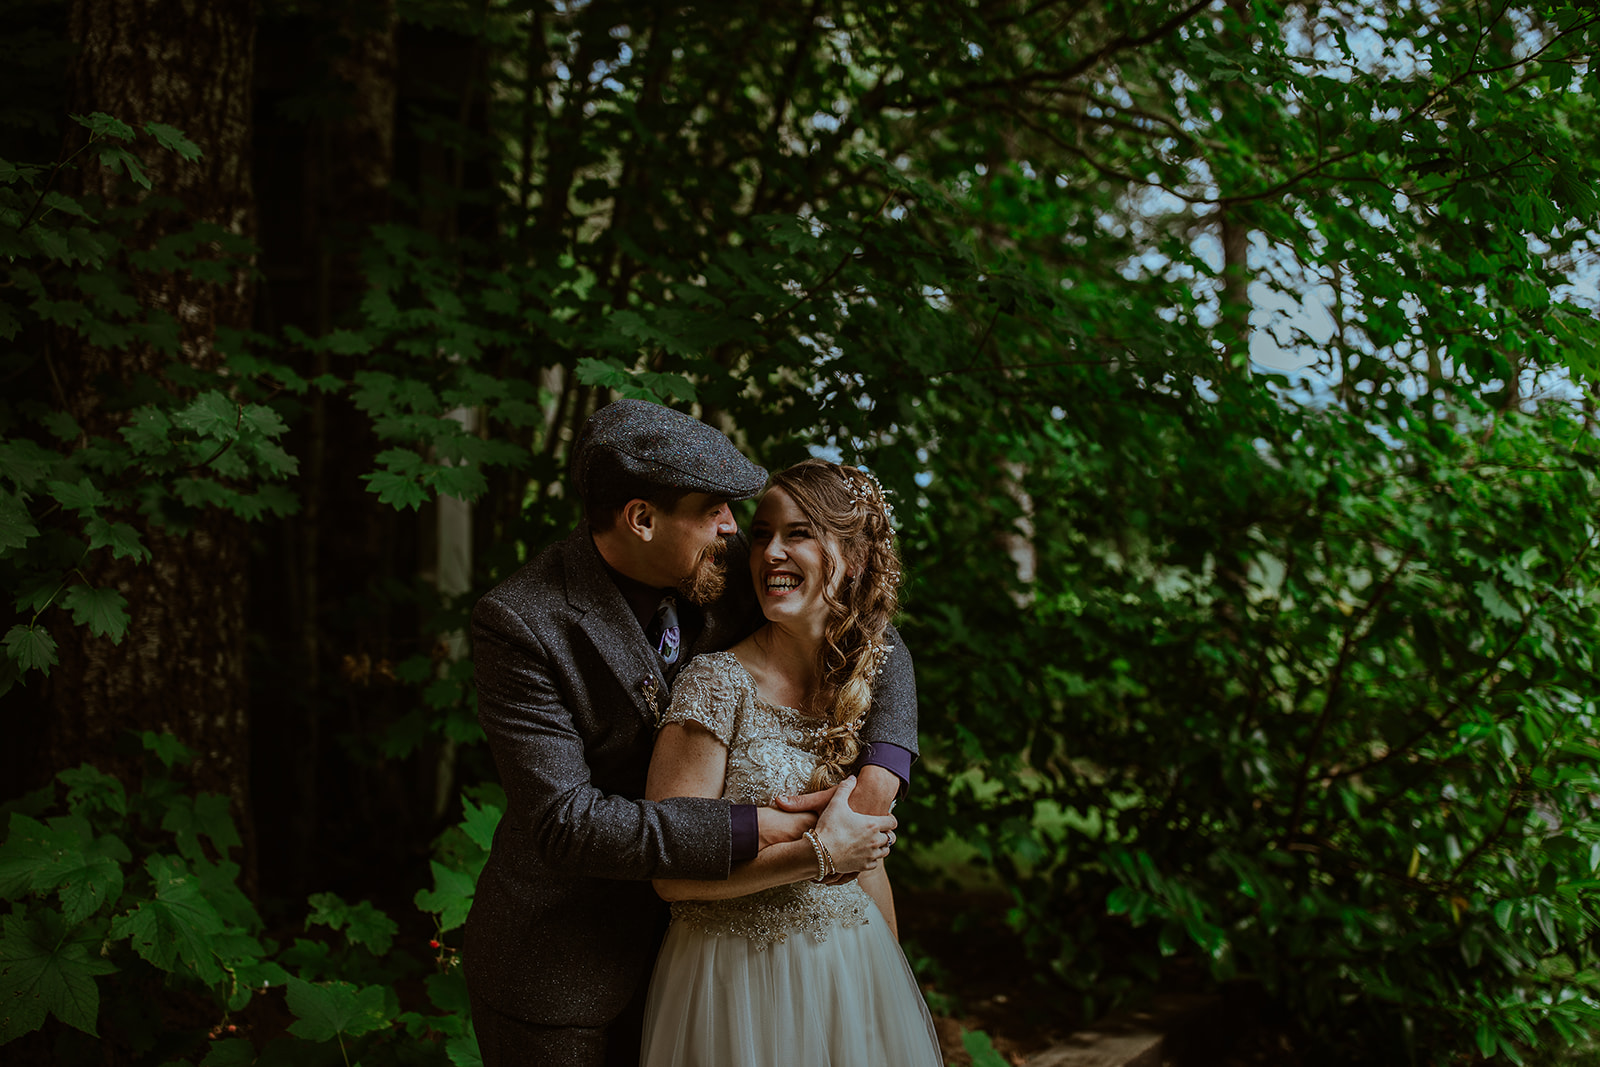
(462, 482)
(262, 420)
(167, 748)
(325, 1010)
(83, 496)
(1497, 605)
(211, 415)
(29, 849)
(448, 992)
(396, 490)
(450, 898)
(62, 426)
(87, 881)
(230, 1052)
(100, 124)
(346, 343)
(31, 647)
(172, 138)
(16, 525)
(103, 611)
(174, 929)
(981, 1049)
(206, 815)
(607, 372)
(92, 790)
(362, 923)
(480, 823)
(146, 431)
(122, 539)
(26, 463)
(463, 1050)
(64, 204)
(115, 158)
(43, 970)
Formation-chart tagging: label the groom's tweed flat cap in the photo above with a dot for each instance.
(632, 441)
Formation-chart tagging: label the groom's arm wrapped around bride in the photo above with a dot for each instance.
(565, 924)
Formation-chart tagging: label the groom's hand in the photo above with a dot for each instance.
(857, 842)
(775, 827)
(875, 793)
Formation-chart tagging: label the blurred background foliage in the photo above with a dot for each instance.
(1231, 364)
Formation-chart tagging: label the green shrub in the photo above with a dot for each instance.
(1306, 694)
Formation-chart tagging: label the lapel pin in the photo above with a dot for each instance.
(652, 695)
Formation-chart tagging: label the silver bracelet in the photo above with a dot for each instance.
(822, 857)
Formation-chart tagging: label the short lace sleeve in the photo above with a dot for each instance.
(709, 690)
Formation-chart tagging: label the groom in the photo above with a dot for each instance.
(575, 655)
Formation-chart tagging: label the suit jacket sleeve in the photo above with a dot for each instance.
(572, 825)
(893, 715)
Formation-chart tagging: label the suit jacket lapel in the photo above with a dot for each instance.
(611, 626)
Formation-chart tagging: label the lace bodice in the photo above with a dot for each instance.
(771, 751)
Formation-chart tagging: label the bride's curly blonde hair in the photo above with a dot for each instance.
(847, 506)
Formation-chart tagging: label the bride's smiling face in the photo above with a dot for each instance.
(792, 561)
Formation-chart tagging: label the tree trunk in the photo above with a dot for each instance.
(181, 666)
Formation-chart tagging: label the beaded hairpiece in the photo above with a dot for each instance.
(868, 490)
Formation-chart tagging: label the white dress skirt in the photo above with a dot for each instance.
(802, 974)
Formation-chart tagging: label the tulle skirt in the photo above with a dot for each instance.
(717, 1000)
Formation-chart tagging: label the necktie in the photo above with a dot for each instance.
(664, 632)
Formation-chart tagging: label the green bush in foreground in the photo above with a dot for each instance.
(126, 914)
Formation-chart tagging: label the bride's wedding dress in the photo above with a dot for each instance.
(799, 974)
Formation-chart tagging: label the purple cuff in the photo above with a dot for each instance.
(746, 832)
(892, 758)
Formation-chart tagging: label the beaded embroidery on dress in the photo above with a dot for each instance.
(798, 974)
(770, 752)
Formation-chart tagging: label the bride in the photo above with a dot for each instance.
(791, 960)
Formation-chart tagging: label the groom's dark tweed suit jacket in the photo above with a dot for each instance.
(565, 924)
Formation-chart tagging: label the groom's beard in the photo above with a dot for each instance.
(710, 575)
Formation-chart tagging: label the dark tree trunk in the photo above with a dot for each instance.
(326, 172)
(181, 666)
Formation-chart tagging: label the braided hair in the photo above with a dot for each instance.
(848, 506)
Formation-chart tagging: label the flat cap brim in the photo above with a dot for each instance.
(630, 441)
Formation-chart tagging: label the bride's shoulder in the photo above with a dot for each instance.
(719, 670)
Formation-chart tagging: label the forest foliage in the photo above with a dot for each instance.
(1291, 674)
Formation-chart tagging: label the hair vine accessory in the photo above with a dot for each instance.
(864, 488)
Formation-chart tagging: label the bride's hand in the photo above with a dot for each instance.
(856, 842)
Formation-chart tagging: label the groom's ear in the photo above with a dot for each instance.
(638, 518)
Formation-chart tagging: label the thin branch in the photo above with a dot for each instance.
(1083, 65)
(1492, 664)
(806, 296)
(1335, 685)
